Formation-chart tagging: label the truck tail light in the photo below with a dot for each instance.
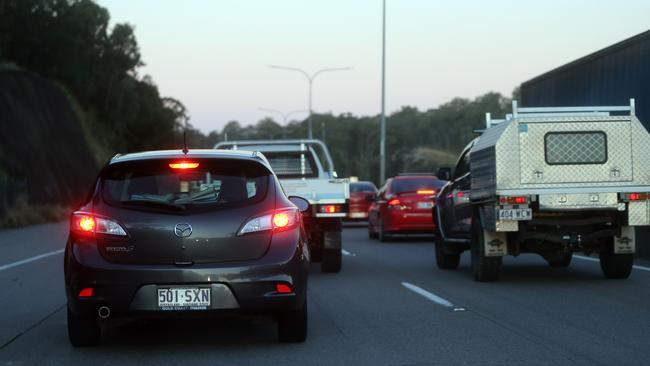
(513, 200)
(280, 220)
(330, 208)
(86, 292)
(89, 224)
(637, 196)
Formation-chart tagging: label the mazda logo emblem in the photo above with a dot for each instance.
(183, 230)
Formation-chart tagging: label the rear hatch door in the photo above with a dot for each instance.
(185, 216)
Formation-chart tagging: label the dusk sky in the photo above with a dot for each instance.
(214, 55)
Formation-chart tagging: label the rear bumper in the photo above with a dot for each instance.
(409, 222)
(242, 286)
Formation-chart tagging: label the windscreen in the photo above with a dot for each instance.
(413, 185)
(362, 187)
(168, 185)
(298, 164)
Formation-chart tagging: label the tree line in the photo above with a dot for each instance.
(70, 41)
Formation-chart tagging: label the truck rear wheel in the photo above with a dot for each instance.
(331, 261)
(618, 266)
(445, 260)
(486, 269)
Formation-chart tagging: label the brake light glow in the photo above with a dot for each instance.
(425, 191)
(637, 196)
(329, 208)
(89, 224)
(513, 200)
(283, 288)
(394, 202)
(86, 292)
(277, 221)
(460, 194)
(184, 165)
(280, 220)
(86, 223)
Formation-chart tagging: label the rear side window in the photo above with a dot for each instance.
(413, 185)
(155, 185)
(299, 164)
(569, 148)
(362, 187)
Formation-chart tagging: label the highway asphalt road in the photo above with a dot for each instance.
(389, 306)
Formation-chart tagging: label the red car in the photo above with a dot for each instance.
(361, 195)
(403, 206)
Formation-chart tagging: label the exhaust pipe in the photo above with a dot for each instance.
(104, 312)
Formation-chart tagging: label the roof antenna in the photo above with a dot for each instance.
(185, 150)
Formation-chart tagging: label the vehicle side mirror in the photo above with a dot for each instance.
(444, 173)
(301, 203)
(371, 197)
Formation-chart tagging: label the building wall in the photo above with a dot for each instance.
(607, 77)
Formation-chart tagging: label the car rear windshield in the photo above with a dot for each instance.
(155, 185)
(413, 185)
(362, 187)
(298, 164)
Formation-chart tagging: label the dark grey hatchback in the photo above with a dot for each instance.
(169, 233)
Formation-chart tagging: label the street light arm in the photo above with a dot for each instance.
(291, 69)
(313, 76)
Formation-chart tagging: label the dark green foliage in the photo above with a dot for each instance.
(416, 141)
(70, 41)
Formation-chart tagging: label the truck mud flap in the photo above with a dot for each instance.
(332, 240)
(626, 243)
(495, 244)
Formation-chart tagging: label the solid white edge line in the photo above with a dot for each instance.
(31, 259)
(640, 268)
(433, 297)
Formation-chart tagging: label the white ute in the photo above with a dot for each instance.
(551, 181)
(299, 167)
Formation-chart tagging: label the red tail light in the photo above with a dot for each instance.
(329, 208)
(280, 220)
(89, 224)
(86, 223)
(637, 196)
(283, 288)
(86, 292)
(184, 165)
(277, 221)
(513, 200)
(394, 202)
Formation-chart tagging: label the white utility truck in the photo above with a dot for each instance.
(298, 165)
(551, 181)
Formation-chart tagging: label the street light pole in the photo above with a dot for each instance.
(310, 79)
(382, 137)
(285, 116)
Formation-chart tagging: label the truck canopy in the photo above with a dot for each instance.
(561, 150)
